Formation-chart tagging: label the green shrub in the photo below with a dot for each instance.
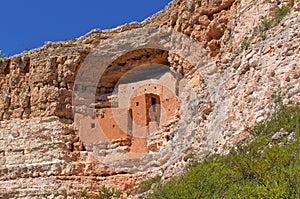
(281, 13)
(267, 24)
(103, 193)
(264, 168)
(246, 43)
(73, 39)
(147, 184)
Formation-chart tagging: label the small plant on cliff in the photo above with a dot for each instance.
(246, 43)
(103, 193)
(73, 39)
(267, 24)
(147, 184)
(282, 12)
(266, 167)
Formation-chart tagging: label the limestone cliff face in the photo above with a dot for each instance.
(41, 152)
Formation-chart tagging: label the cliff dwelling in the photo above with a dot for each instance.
(134, 99)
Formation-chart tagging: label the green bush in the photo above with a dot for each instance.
(267, 24)
(263, 168)
(103, 193)
(73, 39)
(246, 43)
(147, 184)
(281, 13)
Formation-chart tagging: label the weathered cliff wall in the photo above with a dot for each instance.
(41, 154)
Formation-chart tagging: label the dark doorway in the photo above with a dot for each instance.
(130, 122)
(153, 102)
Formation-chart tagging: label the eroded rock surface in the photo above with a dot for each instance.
(41, 153)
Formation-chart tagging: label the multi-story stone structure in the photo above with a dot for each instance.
(130, 113)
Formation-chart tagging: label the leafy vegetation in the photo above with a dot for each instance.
(266, 167)
(147, 184)
(267, 24)
(246, 43)
(103, 193)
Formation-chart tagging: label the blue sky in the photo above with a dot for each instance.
(27, 24)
